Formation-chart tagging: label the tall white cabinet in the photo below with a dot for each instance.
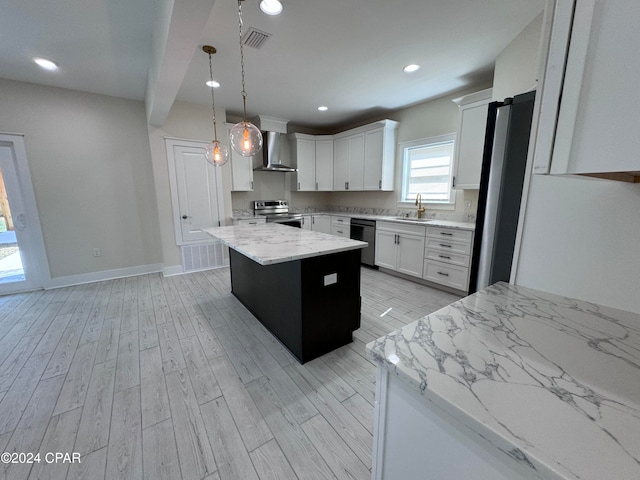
(590, 80)
(472, 123)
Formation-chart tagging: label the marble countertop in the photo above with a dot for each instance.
(270, 243)
(551, 381)
(386, 218)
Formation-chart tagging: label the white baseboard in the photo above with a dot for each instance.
(173, 270)
(71, 280)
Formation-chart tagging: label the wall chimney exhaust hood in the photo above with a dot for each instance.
(272, 130)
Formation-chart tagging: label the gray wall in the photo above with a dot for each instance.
(90, 164)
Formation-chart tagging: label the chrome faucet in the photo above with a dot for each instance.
(421, 209)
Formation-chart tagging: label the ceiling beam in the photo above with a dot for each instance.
(175, 39)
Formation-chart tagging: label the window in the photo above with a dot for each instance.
(427, 169)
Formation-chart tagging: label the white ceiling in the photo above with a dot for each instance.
(345, 54)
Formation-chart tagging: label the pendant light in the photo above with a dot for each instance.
(215, 152)
(246, 138)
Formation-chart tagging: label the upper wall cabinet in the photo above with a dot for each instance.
(472, 124)
(588, 120)
(364, 157)
(241, 169)
(313, 157)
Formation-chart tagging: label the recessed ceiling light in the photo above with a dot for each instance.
(411, 68)
(210, 83)
(271, 7)
(46, 64)
(322, 108)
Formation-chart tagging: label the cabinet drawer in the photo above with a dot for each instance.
(447, 245)
(449, 275)
(440, 255)
(450, 234)
(341, 220)
(249, 221)
(340, 230)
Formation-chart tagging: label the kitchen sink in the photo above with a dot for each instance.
(414, 219)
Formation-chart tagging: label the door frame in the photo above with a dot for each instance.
(170, 143)
(31, 242)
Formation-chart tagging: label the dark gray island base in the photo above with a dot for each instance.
(312, 305)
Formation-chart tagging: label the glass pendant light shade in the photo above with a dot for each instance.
(246, 138)
(216, 153)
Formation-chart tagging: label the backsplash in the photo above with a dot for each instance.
(387, 212)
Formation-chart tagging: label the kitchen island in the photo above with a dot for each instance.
(510, 383)
(303, 286)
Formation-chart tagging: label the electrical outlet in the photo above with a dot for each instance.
(96, 252)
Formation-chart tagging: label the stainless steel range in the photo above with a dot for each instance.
(277, 211)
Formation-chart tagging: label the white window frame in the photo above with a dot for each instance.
(402, 152)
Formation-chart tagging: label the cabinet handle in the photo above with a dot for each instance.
(298, 185)
(444, 256)
(313, 220)
(453, 184)
(316, 185)
(379, 184)
(445, 245)
(339, 231)
(443, 274)
(445, 233)
(251, 184)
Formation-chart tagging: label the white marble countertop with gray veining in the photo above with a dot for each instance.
(429, 222)
(551, 381)
(433, 222)
(270, 243)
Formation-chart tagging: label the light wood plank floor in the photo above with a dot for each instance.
(172, 378)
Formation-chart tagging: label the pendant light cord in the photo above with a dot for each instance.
(213, 102)
(244, 93)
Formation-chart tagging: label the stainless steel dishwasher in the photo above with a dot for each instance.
(365, 231)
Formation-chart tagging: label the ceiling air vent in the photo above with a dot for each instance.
(255, 38)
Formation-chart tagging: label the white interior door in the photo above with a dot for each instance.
(196, 191)
(23, 260)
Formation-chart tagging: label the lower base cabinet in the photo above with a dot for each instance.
(400, 247)
(321, 223)
(413, 439)
(447, 257)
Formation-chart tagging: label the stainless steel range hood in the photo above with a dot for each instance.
(271, 154)
(272, 131)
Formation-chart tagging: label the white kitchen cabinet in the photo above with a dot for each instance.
(413, 436)
(447, 257)
(400, 247)
(321, 223)
(364, 157)
(472, 123)
(241, 169)
(348, 162)
(313, 157)
(249, 221)
(340, 163)
(306, 222)
(590, 79)
(341, 226)
(324, 163)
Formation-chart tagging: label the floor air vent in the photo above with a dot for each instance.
(204, 256)
(255, 38)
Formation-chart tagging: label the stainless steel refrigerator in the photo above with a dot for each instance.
(501, 180)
